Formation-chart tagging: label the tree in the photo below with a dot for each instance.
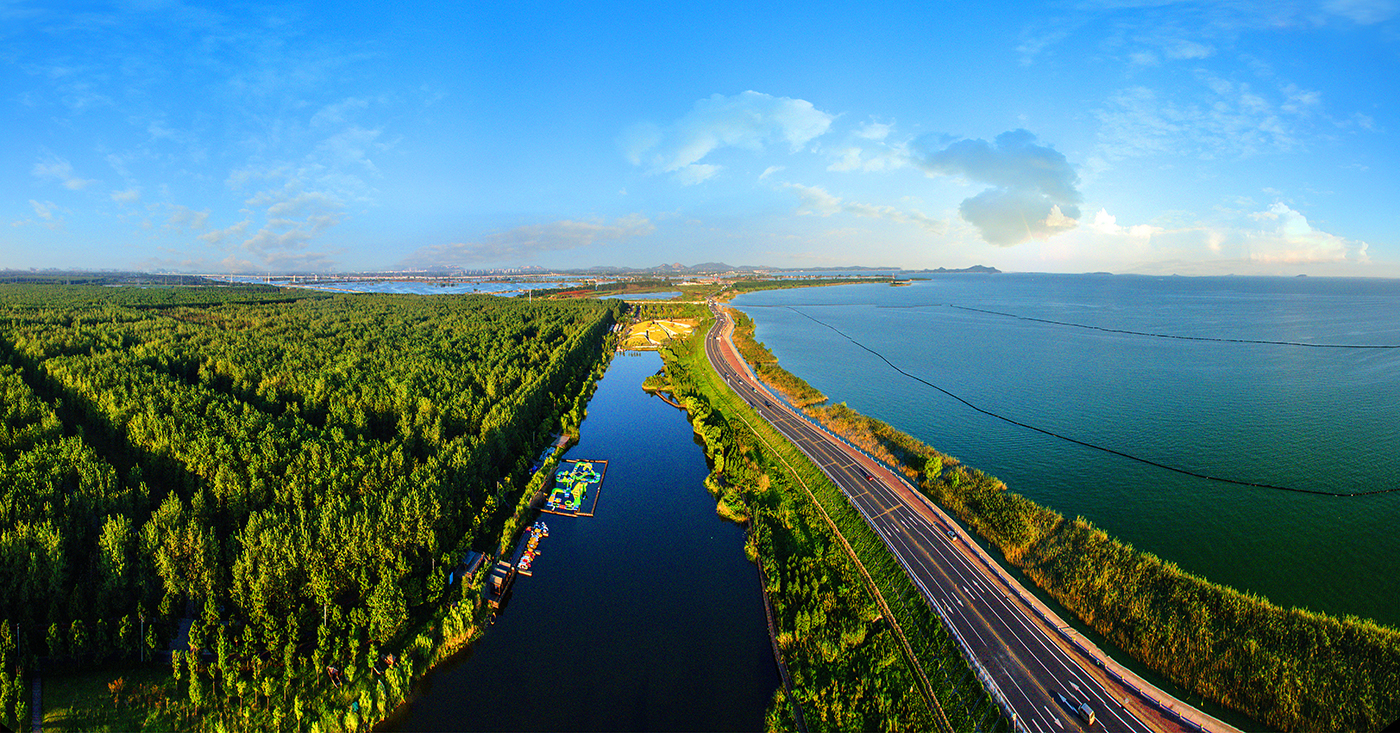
(387, 609)
(114, 546)
(78, 639)
(55, 641)
(126, 635)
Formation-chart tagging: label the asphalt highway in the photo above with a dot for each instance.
(1032, 669)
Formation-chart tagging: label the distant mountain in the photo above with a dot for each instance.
(980, 269)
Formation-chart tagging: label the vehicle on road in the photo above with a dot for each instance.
(1082, 710)
(867, 476)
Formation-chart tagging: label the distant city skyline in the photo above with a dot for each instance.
(1130, 136)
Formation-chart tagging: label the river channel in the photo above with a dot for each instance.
(645, 616)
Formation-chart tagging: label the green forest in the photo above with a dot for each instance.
(284, 480)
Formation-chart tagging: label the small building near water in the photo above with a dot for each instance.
(467, 570)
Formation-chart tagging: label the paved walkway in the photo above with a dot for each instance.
(37, 709)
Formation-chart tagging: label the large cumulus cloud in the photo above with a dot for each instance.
(1033, 190)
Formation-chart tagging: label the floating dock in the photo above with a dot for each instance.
(529, 548)
(502, 577)
(574, 483)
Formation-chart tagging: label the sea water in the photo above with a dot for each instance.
(1323, 419)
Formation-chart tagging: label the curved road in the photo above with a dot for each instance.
(1030, 662)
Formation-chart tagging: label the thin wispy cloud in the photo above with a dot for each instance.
(749, 120)
(525, 242)
(59, 170)
(816, 201)
(1222, 118)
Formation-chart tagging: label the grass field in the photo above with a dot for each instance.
(142, 697)
(648, 335)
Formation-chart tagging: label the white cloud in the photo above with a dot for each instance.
(60, 171)
(880, 157)
(849, 160)
(1276, 240)
(1364, 12)
(770, 170)
(47, 212)
(348, 149)
(523, 243)
(1284, 235)
(299, 201)
(815, 201)
(219, 236)
(129, 196)
(874, 131)
(696, 172)
(283, 234)
(1106, 223)
(184, 218)
(1221, 119)
(1180, 49)
(335, 115)
(1034, 189)
(750, 120)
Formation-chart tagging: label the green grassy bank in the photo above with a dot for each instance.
(1289, 668)
(863, 649)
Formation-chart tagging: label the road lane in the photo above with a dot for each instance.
(1024, 658)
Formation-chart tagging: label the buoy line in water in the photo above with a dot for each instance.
(1175, 336)
(1076, 441)
(1086, 326)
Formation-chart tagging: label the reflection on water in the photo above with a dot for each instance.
(644, 617)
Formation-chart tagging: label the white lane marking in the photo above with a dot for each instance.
(1062, 659)
(963, 564)
(1017, 619)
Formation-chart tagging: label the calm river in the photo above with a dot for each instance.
(1295, 416)
(646, 616)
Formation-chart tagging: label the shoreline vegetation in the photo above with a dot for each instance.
(862, 651)
(1293, 669)
(288, 481)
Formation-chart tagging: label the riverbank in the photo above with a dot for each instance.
(863, 651)
(655, 589)
(462, 623)
(1290, 668)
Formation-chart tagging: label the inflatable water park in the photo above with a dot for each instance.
(577, 484)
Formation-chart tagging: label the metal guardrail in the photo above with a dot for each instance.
(1151, 699)
(1064, 632)
(983, 676)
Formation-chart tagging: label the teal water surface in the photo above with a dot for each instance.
(1314, 418)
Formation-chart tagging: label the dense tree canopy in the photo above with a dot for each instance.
(298, 473)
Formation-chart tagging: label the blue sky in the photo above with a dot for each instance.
(1144, 136)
